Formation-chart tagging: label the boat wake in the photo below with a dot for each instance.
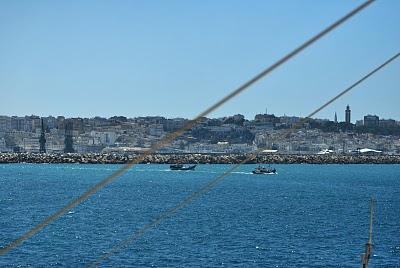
(199, 171)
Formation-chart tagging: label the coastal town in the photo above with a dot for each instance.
(227, 135)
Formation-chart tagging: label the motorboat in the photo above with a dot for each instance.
(182, 167)
(264, 170)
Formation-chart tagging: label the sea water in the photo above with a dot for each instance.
(305, 216)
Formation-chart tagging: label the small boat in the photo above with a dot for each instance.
(181, 167)
(264, 170)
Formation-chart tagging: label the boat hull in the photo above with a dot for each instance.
(182, 167)
(261, 173)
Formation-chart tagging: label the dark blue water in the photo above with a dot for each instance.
(306, 216)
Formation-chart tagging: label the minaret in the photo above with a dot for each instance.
(348, 113)
(42, 140)
(68, 142)
(335, 117)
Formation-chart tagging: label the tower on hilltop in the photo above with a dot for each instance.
(42, 140)
(335, 118)
(348, 114)
(68, 142)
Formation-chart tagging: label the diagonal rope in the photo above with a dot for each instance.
(355, 84)
(168, 213)
(170, 137)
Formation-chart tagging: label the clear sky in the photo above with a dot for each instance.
(175, 58)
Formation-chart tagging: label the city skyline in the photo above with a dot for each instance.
(337, 116)
(173, 60)
(232, 134)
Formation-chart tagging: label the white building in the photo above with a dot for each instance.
(5, 123)
(359, 123)
(105, 138)
(3, 147)
(156, 130)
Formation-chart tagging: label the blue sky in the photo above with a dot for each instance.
(175, 58)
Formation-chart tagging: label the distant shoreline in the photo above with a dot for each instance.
(8, 158)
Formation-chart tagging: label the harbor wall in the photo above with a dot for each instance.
(198, 158)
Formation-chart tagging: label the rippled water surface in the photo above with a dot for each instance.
(305, 216)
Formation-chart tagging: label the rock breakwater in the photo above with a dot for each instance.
(198, 158)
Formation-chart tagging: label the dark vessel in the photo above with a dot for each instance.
(264, 170)
(181, 167)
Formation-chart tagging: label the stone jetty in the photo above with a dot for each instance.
(198, 158)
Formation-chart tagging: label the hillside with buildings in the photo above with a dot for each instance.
(233, 134)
